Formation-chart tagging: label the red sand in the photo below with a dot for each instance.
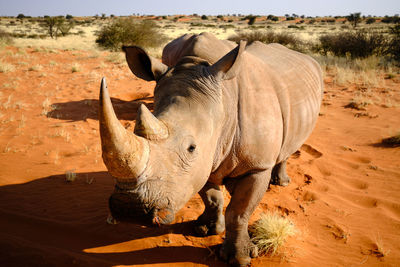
(344, 197)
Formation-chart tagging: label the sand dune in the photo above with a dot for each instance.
(344, 197)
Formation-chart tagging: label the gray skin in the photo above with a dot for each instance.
(223, 115)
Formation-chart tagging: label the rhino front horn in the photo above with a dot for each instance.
(125, 154)
(148, 126)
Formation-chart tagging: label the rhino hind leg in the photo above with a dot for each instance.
(279, 175)
(212, 221)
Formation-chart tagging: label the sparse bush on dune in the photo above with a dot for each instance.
(128, 32)
(286, 39)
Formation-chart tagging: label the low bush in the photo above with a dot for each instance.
(5, 38)
(393, 50)
(356, 44)
(286, 39)
(126, 31)
(370, 20)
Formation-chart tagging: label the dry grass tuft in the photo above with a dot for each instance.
(6, 67)
(70, 176)
(359, 102)
(35, 68)
(75, 68)
(116, 58)
(46, 106)
(270, 232)
(379, 249)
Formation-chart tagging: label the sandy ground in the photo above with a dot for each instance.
(344, 197)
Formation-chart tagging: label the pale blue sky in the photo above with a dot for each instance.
(208, 7)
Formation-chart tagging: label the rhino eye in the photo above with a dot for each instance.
(191, 148)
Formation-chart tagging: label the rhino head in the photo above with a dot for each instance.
(170, 155)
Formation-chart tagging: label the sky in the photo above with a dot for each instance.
(200, 7)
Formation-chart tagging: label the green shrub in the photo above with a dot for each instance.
(394, 19)
(126, 31)
(370, 20)
(204, 17)
(356, 44)
(286, 39)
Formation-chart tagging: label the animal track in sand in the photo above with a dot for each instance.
(323, 169)
(357, 184)
(348, 163)
(312, 151)
(338, 232)
(310, 196)
(365, 160)
(392, 209)
(323, 188)
(362, 200)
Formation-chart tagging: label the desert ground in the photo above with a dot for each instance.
(344, 198)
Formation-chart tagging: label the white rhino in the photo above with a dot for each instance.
(223, 115)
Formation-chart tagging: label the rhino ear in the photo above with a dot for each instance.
(143, 65)
(229, 65)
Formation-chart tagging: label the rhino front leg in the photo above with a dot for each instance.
(212, 221)
(246, 193)
(279, 175)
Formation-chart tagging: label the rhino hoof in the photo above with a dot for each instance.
(280, 180)
(238, 256)
(201, 230)
(210, 228)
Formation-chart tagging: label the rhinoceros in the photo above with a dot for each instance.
(224, 114)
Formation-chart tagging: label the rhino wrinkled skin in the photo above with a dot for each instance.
(224, 115)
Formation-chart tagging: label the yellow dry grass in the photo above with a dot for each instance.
(6, 67)
(271, 231)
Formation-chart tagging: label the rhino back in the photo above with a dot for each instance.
(296, 79)
(205, 46)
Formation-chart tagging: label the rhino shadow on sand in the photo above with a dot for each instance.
(49, 222)
(88, 109)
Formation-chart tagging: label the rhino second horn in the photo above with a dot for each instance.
(125, 154)
(148, 126)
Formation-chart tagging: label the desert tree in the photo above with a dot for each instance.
(251, 19)
(354, 18)
(55, 25)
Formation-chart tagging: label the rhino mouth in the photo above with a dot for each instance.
(138, 206)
